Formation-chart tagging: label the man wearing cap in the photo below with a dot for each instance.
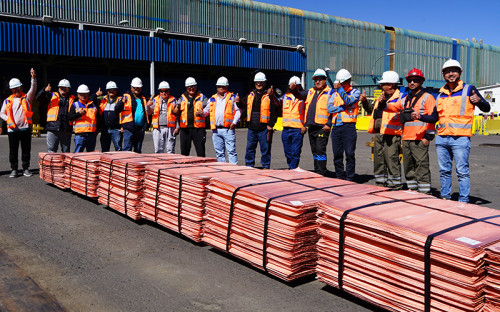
(134, 119)
(110, 122)
(416, 134)
(224, 116)
(192, 127)
(293, 124)
(261, 117)
(387, 129)
(163, 120)
(84, 114)
(318, 120)
(345, 108)
(455, 114)
(58, 127)
(16, 111)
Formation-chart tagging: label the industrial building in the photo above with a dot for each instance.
(93, 41)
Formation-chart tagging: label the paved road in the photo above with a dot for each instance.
(93, 259)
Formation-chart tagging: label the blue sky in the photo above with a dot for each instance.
(458, 19)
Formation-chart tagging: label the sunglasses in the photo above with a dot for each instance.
(414, 80)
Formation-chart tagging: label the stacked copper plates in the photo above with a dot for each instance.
(269, 221)
(174, 195)
(52, 168)
(405, 251)
(493, 278)
(82, 172)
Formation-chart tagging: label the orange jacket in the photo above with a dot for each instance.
(348, 115)
(53, 108)
(10, 115)
(265, 107)
(228, 110)
(390, 121)
(293, 112)
(456, 112)
(199, 121)
(88, 122)
(127, 115)
(416, 130)
(171, 118)
(321, 114)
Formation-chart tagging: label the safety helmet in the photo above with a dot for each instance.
(64, 83)
(83, 89)
(343, 75)
(294, 79)
(389, 77)
(319, 73)
(190, 81)
(451, 63)
(111, 85)
(163, 85)
(222, 81)
(260, 77)
(415, 72)
(14, 83)
(136, 82)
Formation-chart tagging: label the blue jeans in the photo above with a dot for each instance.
(85, 141)
(133, 139)
(108, 136)
(447, 149)
(344, 141)
(225, 139)
(253, 138)
(292, 144)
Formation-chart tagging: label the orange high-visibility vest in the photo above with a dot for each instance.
(171, 118)
(53, 108)
(265, 107)
(104, 102)
(351, 113)
(10, 114)
(229, 110)
(456, 112)
(126, 115)
(293, 112)
(416, 130)
(88, 122)
(199, 121)
(321, 115)
(390, 121)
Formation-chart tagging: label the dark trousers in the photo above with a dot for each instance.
(260, 137)
(292, 144)
(198, 136)
(23, 137)
(344, 141)
(318, 140)
(132, 139)
(111, 135)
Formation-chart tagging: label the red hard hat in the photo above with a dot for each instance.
(415, 72)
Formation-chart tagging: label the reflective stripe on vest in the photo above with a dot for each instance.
(265, 107)
(350, 114)
(321, 114)
(293, 112)
(25, 105)
(53, 108)
(416, 130)
(88, 122)
(447, 123)
(228, 110)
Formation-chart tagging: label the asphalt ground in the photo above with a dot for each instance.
(90, 258)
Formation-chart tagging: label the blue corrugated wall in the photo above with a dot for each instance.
(23, 38)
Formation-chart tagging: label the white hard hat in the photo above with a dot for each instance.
(136, 82)
(64, 83)
(294, 79)
(163, 85)
(190, 81)
(14, 83)
(111, 85)
(451, 63)
(389, 77)
(319, 72)
(259, 77)
(222, 81)
(343, 75)
(83, 89)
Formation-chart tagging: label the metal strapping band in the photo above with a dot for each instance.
(179, 205)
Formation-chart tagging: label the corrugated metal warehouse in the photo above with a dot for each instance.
(94, 41)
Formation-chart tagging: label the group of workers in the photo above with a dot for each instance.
(398, 120)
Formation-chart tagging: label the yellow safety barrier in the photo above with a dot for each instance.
(491, 126)
(37, 130)
(363, 123)
(279, 124)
